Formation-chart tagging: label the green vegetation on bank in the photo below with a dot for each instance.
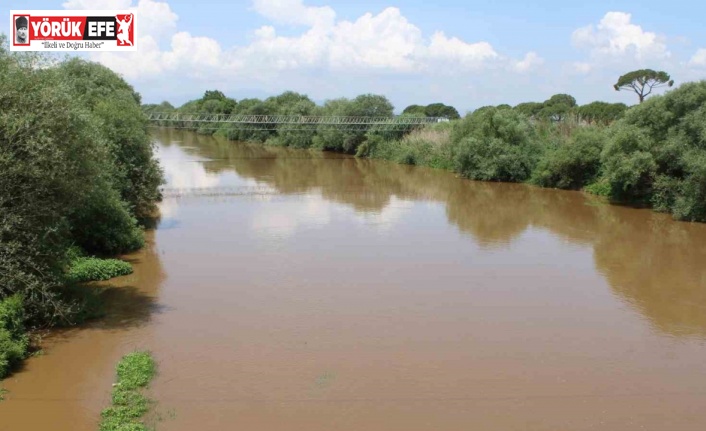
(85, 269)
(651, 154)
(135, 371)
(13, 340)
(76, 170)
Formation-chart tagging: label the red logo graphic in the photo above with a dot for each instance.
(125, 29)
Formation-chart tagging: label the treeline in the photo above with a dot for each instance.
(433, 110)
(77, 175)
(563, 107)
(652, 154)
(289, 103)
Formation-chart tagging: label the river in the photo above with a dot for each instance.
(295, 290)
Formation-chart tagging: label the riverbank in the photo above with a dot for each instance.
(651, 154)
(78, 183)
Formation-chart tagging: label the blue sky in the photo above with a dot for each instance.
(467, 55)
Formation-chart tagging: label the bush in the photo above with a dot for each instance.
(137, 174)
(573, 163)
(689, 202)
(50, 154)
(84, 269)
(296, 138)
(366, 105)
(628, 163)
(600, 188)
(103, 224)
(76, 167)
(427, 146)
(657, 153)
(495, 145)
(13, 340)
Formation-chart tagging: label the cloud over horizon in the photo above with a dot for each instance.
(312, 50)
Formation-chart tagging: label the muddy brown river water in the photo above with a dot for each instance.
(289, 290)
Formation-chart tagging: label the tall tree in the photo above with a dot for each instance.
(432, 110)
(416, 110)
(602, 112)
(441, 110)
(558, 107)
(643, 81)
(530, 109)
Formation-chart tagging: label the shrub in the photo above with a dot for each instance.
(365, 105)
(104, 225)
(427, 146)
(76, 166)
(657, 153)
(628, 164)
(599, 188)
(689, 202)
(136, 173)
(296, 138)
(50, 155)
(573, 163)
(495, 145)
(13, 340)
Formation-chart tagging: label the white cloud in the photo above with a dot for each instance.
(531, 61)
(616, 36)
(191, 53)
(385, 42)
(453, 52)
(155, 18)
(698, 59)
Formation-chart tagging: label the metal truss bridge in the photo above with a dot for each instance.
(286, 122)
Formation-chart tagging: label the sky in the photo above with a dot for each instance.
(466, 54)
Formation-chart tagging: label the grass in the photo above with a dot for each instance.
(84, 269)
(135, 371)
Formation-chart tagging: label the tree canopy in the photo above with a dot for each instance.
(602, 112)
(432, 110)
(558, 107)
(77, 169)
(529, 109)
(643, 81)
(416, 110)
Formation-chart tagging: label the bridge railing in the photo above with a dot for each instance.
(287, 122)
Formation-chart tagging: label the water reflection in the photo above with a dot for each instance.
(651, 262)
